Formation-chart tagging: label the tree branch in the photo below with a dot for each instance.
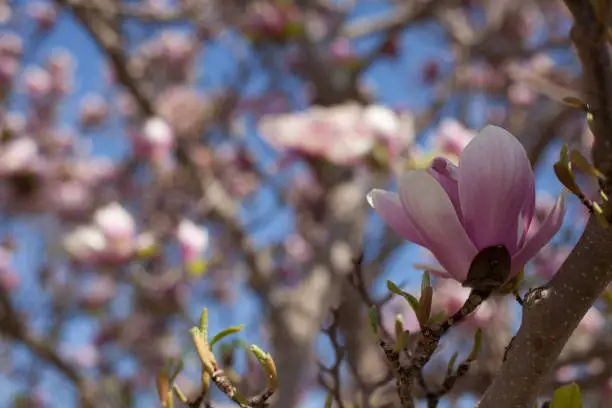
(550, 319)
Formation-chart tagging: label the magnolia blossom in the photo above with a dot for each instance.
(110, 238)
(457, 211)
(586, 334)
(342, 134)
(93, 110)
(155, 140)
(452, 137)
(185, 110)
(18, 155)
(10, 51)
(9, 279)
(44, 14)
(193, 240)
(38, 83)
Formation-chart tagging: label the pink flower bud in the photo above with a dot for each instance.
(99, 293)
(566, 374)
(193, 240)
(452, 137)
(85, 244)
(93, 110)
(85, 356)
(341, 50)
(71, 197)
(521, 95)
(18, 155)
(115, 222)
(185, 111)
(60, 66)
(44, 14)
(177, 47)
(9, 279)
(155, 141)
(298, 248)
(38, 83)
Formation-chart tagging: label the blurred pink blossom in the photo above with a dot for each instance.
(44, 13)
(60, 66)
(341, 50)
(71, 197)
(15, 122)
(586, 334)
(93, 110)
(298, 248)
(38, 83)
(567, 373)
(520, 94)
(452, 137)
(155, 141)
(342, 134)
(93, 171)
(111, 237)
(10, 53)
(177, 47)
(115, 222)
(18, 155)
(9, 279)
(98, 293)
(86, 356)
(193, 240)
(269, 20)
(185, 110)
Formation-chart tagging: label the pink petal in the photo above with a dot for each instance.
(549, 227)
(526, 217)
(435, 270)
(388, 206)
(446, 173)
(495, 186)
(433, 214)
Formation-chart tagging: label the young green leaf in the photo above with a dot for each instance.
(225, 332)
(567, 396)
(477, 346)
(413, 301)
(204, 324)
(574, 101)
(401, 341)
(582, 164)
(329, 399)
(451, 364)
(176, 371)
(424, 310)
(426, 281)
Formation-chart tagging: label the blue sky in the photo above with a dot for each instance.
(396, 82)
